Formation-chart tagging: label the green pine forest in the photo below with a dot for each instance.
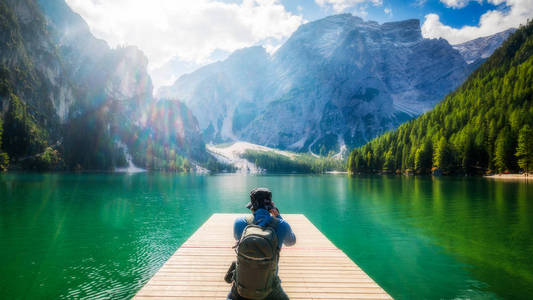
(299, 163)
(485, 126)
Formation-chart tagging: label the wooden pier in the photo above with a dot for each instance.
(311, 269)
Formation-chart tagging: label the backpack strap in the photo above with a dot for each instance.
(250, 219)
(274, 222)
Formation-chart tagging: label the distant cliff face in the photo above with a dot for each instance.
(343, 81)
(477, 50)
(336, 81)
(100, 73)
(76, 93)
(31, 66)
(224, 95)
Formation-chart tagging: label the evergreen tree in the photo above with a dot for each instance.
(499, 153)
(466, 148)
(503, 151)
(389, 162)
(423, 158)
(524, 150)
(443, 156)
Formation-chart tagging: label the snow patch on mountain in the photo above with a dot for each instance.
(231, 154)
(483, 47)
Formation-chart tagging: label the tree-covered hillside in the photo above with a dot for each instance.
(484, 126)
(69, 101)
(29, 122)
(299, 163)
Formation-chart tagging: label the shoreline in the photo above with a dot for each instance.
(510, 177)
(336, 172)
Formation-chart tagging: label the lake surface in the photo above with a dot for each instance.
(105, 235)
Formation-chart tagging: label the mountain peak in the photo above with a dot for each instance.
(477, 50)
(409, 23)
(346, 17)
(254, 51)
(331, 22)
(322, 37)
(332, 27)
(405, 31)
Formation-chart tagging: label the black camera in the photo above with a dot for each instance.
(229, 274)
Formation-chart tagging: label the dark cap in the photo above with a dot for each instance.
(260, 198)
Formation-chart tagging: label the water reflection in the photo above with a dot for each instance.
(104, 235)
(484, 227)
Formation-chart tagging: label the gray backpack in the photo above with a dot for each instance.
(257, 260)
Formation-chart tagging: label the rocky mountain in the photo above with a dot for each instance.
(477, 50)
(336, 82)
(65, 92)
(99, 71)
(224, 96)
(31, 66)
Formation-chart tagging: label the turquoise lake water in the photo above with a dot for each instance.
(104, 235)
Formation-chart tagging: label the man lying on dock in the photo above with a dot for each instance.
(260, 237)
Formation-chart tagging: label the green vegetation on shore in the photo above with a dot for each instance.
(484, 126)
(299, 163)
(23, 137)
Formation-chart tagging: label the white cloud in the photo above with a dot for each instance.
(342, 5)
(419, 3)
(514, 13)
(457, 3)
(495, 2)
(189, 30)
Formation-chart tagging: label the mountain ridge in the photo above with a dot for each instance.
(481, 48)
(337, 81)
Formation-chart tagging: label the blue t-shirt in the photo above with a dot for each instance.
(262, 217)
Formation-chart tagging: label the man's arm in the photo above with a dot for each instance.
(238, 227)
(290, 238)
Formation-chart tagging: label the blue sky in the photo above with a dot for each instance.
(399, 10)
(179, 36)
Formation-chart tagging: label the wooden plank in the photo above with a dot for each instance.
(312, 269)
